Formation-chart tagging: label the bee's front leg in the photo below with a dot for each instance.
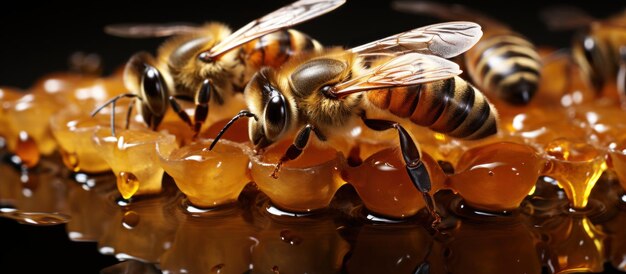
(296, 148)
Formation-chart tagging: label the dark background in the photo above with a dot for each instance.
(37, 39)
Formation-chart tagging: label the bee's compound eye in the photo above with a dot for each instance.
(275, 115)
(154, 91)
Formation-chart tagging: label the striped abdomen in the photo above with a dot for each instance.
(506, 66)
(450, 106)
(276, 48)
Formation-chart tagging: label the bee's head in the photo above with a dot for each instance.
(143, 79)
(275, 112)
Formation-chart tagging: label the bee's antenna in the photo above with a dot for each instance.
(242, 113)
(112, 102)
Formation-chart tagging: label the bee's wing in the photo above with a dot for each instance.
(284, 17)
(401, 70)
(150, 30)
(445, 40)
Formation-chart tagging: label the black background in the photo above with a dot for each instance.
(36, 39)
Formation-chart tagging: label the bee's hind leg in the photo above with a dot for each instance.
(414, 166)
(296, 148)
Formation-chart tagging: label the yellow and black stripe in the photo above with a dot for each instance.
(505, 65)
(276, 48)
(451, 106)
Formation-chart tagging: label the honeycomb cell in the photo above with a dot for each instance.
(539, 127)
(73, 131)
(79, 90)
(498, 176)
(7, 96)
(576, 166)
(305, 184)
(133, 157)
(385, 187)
(605, 121)
(31, 114)
(209, 178)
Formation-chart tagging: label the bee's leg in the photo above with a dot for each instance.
(129, 113)
(621, 75)
(414, 166)
(203, 96)
(296, 148)
(180, 111)
(112, 102)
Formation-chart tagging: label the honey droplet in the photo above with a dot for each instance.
(27, 150)
(217, 268)
(130, 219)
(289, 237)
(127, 184)
(70, 160)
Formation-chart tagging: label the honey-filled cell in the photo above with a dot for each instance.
(498, 176)
(209, 178)
(576, 166)
(305, 184)
(604, 120)
(85, 92)
(7, 95)
(539, 127)
(31, 114)
(133, 158)
(384, 186)
(74, 131)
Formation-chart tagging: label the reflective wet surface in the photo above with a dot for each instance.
(166, 233)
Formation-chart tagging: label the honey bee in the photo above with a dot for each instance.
(504, 63)
(209, 65)
(402, 79)
(599, 50)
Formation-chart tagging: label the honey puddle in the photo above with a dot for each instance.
(165, 233)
